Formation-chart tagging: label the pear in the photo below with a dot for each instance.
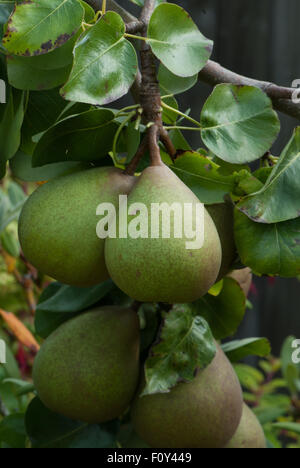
(163, 269)
(204, 413)
(244, 278)
(57, 227)
(249, 433)
(222, 216)
(88, 369)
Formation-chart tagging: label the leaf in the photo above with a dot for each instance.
(279, 199)
(186, 344)
(177, 42)
(21, 167)
(50, 430)
(12, 431)
(6, 8)
(238, 123)
(269, 249)
(249, 377)
(36, 28)
(105, 64)
(173, 84)
(269, 414)
(59, 303)
(224, 312)
(21, 332)
(85, 137)
(202, 177)
(239, 349)
(42, 72)
(288, 426)
(11, 204)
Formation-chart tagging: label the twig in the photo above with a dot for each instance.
(132, 166)
(213, 73)
(166, 140)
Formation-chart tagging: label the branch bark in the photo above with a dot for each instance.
(213, 73)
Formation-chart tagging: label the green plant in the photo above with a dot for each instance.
(63, 63)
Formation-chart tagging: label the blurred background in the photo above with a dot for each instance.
(259, 39)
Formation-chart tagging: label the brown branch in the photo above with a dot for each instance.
(213, 73)
(132, 166)
(166, 140)
(134, 27)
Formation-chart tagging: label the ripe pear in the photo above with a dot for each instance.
(202, 414)
(163, 269)
(222, 216)
(244, 278)
(57, 227)
(88, 369)
(249, 433)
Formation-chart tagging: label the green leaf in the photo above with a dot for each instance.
(11, 204)
(36, 28)
(59, 303)
(177, 42)
(269, 414)
(186, 344)
(41, 72)
(173, 84)
(6, 8)
(239, 349)
(279, 199)
(10, 243)
(202, 177)
(288, 426)
(84, 137)
(238, 123)
(12, 431)
(21, 167)
(249, 377)
(89, 13)
(224, 312)
(105, 64)
(269, 249)
(50, 430)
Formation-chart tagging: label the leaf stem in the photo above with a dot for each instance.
(178, 112)
(118, 133)
(133, 36)
(103, 7)
(175, 127)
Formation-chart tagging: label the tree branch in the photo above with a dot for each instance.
(213, 73)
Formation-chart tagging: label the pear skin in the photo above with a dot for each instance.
(163, 269)
(249, 434)
(244, 277)
(57, 227)
(88, 369)
(202, 414)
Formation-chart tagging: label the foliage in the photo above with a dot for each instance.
(62, 63)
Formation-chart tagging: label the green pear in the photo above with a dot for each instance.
(163, 269)
(57, 227)
(249, 433)
(202, 414)
(244, 278)
(88, 369)
(222, 215)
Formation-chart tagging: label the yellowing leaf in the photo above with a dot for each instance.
(23, 335)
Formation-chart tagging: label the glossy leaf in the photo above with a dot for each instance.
(59, 303)
(288, 426)
(11, 204)
(238, 123)
(85, 137)
(50, 430)
(105, 64)
(239, 349)
(202, 177)
(36, 28)
(177, 42)
(173, 84)
(279, 199)
(269, 249)
(41, 72)
(6, 8)
(224, 312)
(186, 344)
